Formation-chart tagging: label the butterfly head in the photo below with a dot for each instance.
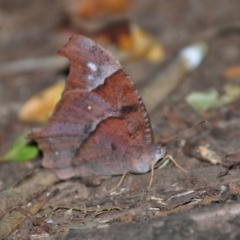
(160, 151)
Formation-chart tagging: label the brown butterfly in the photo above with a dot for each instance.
(100, 126)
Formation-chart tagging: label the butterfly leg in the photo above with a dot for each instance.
(152, 175)
(120, 182)
(152, 172)
(174, 162)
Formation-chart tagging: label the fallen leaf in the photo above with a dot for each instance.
(202, 152)
(129, 42)
(232, 93)
(209, 155)
(231, 160)
(145, 45)
(20, 150)
(39, 107)
(204, 101)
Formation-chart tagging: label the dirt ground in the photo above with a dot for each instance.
(197, 204)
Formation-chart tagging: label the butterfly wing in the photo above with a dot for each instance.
(100, 126)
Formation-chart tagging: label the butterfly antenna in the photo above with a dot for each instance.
(176, 136)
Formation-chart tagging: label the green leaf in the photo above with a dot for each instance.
(203, 101)
(20, 150)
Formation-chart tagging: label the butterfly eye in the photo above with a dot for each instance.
(160, 151)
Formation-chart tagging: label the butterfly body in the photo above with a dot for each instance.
(100, 126)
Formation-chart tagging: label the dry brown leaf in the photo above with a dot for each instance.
(145, 45)
(209, 155)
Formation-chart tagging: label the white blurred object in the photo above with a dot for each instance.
(193, 55)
